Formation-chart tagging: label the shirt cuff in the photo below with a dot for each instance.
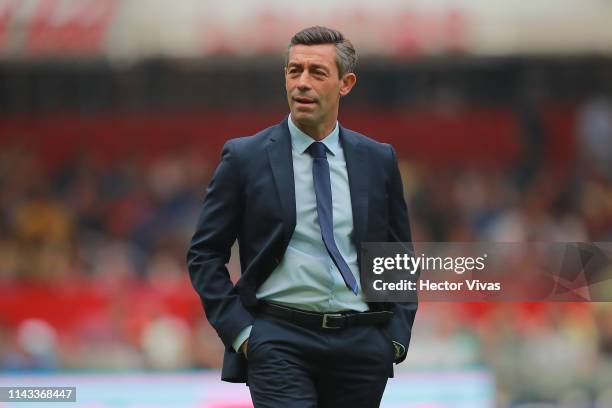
(400, 350)
(242, 336)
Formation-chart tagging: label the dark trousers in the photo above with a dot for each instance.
(293, 366)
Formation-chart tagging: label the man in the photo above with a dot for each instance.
(301, 197)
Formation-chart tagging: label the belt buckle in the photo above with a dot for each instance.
(326, 316)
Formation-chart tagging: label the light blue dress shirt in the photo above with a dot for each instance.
(307, 278)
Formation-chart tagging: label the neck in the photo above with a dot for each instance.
(317, 131)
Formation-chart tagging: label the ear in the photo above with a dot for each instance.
(285, 72)
(347, 83)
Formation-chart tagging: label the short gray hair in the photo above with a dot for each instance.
(346, 57)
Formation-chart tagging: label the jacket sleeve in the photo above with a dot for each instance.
(400, 327)
(210, 250)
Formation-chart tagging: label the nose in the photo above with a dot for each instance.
(303, 82)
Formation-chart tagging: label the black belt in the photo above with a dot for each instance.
(336, 320)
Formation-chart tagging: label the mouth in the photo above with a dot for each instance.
(302, 100)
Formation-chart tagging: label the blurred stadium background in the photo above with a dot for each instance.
(112, 116)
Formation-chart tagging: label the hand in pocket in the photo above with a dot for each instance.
(244, 348)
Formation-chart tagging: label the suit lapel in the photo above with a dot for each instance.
(356, 156)
(281, 163)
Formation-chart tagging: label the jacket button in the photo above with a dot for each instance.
(276, 260)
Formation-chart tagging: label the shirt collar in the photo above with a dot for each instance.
(301, 141)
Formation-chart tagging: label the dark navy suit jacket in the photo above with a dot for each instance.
(251, 198)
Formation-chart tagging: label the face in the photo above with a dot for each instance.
(312, 84)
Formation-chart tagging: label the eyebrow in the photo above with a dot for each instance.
(313, 65)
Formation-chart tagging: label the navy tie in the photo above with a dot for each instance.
(322, 186)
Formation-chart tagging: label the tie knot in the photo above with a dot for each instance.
(317, 150)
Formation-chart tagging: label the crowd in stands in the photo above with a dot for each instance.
(115, 236)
